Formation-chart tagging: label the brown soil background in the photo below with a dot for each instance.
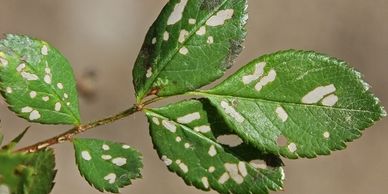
(105, 36)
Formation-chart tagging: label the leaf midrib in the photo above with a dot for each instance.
(207, 94)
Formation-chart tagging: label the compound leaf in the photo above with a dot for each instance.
(106, 165)
(31, 173)
(189, 45)
(187, 138)
(296, 103)
(37, 81)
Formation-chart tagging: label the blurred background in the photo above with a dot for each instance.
(102, 38)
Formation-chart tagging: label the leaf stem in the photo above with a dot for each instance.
(69, 134)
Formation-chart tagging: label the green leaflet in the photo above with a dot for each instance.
(186, 136)
(27, 173)
(189, 38)
(37, 81)
(296, 103)
(106, 165)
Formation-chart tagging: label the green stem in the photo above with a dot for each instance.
(68, 135)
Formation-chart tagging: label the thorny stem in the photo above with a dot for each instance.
(68, 135)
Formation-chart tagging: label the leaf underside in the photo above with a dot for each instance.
(296, 104)
(107, 166)
(27, 173)
(37, 82)
(186, 135)
(189, 38)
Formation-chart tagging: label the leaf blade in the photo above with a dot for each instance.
(193, 152)
(37, 81)
(107, 166)
(302, 98)
(169, 48)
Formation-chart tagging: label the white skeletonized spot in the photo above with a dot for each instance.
(154, 40)
(220, 17)
(210, 40)
(182, 166)
(182, 35)
(29, 76)
(34, 115)
(192, 21)
(318, 93)
(183, 51)
(60, 85)
(106, 157)
(156, 121)
(27, 109)
(187, 145)
(258, 164)
(44, 50)
(326, 135)
(202, 129)
(292, 147)
(119, 161)
(205, 182)
(169, 125)
(33, 94)
(149, 72)
(177, 13)
(230, 140)
(234, 173)
(68, 103)
(166, 36)
(126, 147)
(178, 139)
(243, 169)
(4, 189)
(20, 67)
(189, 118)
(47, 70)
(65, 95)
(58, 106)
(211, 169)
(9, 90)
(3, 61)
(282, 114)
(330, 100)
(111, 178)
(47, 79)
(212, 151)
(86, 155)
(266, 80)
(166, 160)
(201, 31)
(232, 112)
(259, 70)
(45, 98)
(225, 177)
(105, 147)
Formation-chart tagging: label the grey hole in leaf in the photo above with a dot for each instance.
(282, 141)
(259, 164)
(230, 140)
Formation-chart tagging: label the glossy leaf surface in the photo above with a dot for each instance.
(106, 165)
(189, 45)
(37, 81)
(296, 103)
